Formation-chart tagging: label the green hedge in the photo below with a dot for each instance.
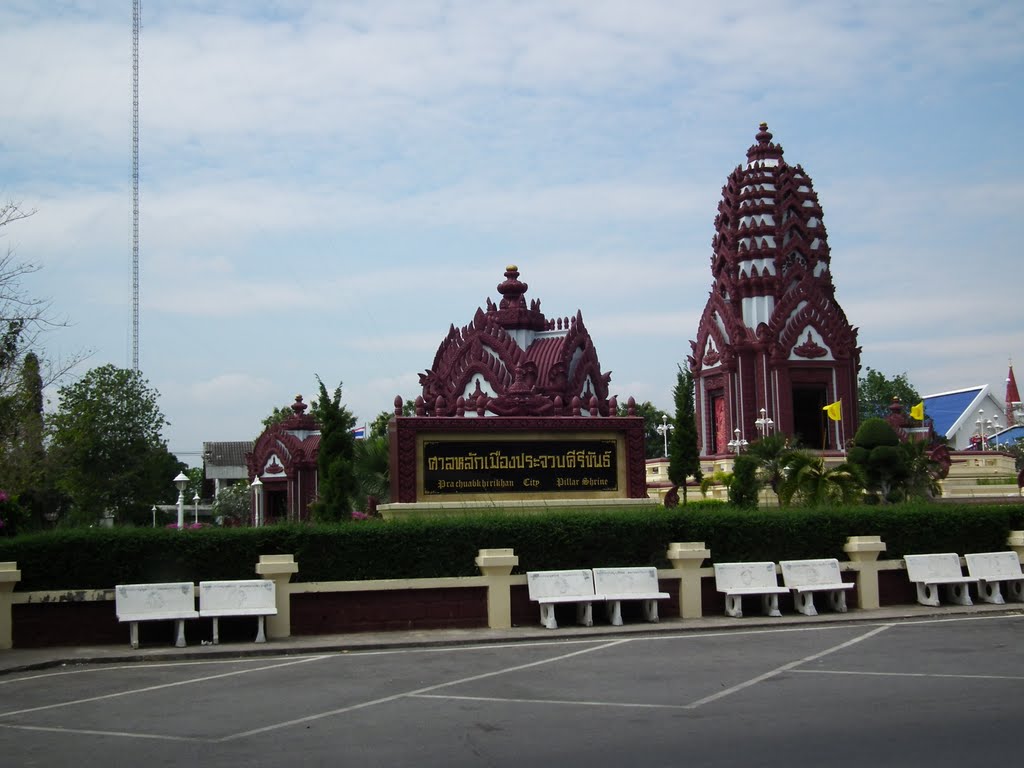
(447, 546)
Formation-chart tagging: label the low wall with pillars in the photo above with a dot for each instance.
(496, 598)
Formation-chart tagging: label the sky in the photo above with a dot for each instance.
(325, 187)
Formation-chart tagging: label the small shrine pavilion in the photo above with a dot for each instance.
(284, 458)
(773, 346)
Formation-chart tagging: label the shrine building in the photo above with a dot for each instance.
(773, 346)
(515, 408)
(520, 362)
(284, 459)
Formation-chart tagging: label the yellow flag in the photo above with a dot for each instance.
(835, 410)
(917, 412)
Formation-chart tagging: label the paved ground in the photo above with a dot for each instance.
(901, 687)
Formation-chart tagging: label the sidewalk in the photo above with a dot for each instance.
(29, 659)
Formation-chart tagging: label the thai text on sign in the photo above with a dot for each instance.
(529, 466)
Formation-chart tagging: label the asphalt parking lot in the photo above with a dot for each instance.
(946, 691)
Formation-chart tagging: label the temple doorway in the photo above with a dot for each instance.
(809, 418)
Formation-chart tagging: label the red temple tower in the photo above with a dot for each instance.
(773, 343)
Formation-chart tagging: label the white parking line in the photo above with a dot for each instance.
(907, 674)
(499, 700)
(406, 694)
(145, 665)
(88, 732)
(163, 686)
(785, 668)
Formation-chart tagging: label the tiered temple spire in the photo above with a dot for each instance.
(772, 335)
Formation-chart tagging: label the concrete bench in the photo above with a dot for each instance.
(549, 588)
(991, 568)
(739, 579)
(929, 572)
(618, 584)
(805, 577)
(251, 597)
(156, 602)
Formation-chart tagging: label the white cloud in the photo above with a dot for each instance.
(326, 187)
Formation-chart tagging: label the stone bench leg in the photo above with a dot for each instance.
(261, 636)
(770, 605)
(989, 592)
(734, 606)
(804, 603)
(179, 633)
(837, 600)
(958, 594)
(585, 615)
(927, 594)
(547, 616)
(1015, 591)
(650, 608)
(613, 609)
(133, 634)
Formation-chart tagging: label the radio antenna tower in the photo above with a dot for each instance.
(136, 23)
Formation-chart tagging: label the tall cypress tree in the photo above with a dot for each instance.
(684, 453)
(335, 461)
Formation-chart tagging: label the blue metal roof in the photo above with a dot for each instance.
(1008, 436)
(944, 410)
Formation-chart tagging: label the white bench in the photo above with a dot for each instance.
(156, 602)
(549, 588)
(251, 597)
(805, 577)
(739, 579)
(929, 572)
(991, 568)
(618, 584)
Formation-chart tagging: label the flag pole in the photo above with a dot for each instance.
(842, 430)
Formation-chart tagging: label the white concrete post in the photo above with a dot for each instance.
(863, 551)
(496, 565)
(686, 557)
(9, 576)
(279, 569)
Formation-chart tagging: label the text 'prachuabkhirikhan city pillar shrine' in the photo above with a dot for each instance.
(773, 343)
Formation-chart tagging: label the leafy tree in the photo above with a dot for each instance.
(875, 394)
(108, 451)
(923, 472)
(884, 463)
(654, 443)
(684, 453)
(1017, 451)
(744, 487)
(22, 455)
(809, 482)
(233, 504)
(278, 415)
(23, 321)
(335, 462)
(372, 469)
(772, 453)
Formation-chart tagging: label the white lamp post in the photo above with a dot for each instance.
(663, 429)
(182, 482)
(986, 428)
(764, 424)
(154, 515)
(195, 503)
(257, 488)
(737, 444)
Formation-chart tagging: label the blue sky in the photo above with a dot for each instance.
(326, 187)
